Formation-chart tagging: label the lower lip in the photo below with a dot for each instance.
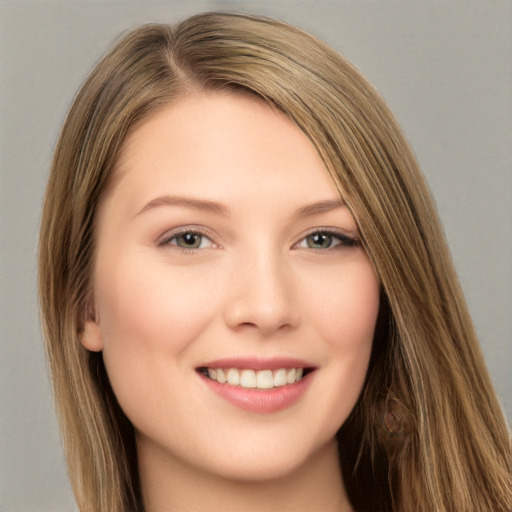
(260, 400)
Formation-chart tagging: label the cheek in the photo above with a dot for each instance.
(149, 318)
(150, 304)
(347, 308)
(345, 316)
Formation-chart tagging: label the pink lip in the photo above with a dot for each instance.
(258, 363)
(260, 401)
(257, 400)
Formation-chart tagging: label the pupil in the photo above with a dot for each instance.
(190, 239)
(321, 240)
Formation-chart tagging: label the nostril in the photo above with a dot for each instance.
(261, 304)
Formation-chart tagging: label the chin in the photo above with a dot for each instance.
(253, 466)
(260, 471)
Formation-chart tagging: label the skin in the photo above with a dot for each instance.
(257, 285)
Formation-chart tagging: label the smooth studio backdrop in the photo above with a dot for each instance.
(445, 69)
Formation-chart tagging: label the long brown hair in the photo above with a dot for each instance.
(428, 432)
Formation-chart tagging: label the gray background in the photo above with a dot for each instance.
(445, 68)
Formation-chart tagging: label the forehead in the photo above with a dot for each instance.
(222, 144)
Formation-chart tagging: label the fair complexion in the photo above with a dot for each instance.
(224, 249)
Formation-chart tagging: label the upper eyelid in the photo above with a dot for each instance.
(329, 230)
(345, 239)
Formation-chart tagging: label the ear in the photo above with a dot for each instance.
(91, 337)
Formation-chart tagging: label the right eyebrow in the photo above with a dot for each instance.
(187, 202)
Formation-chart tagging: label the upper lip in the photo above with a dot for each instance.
(257, 363)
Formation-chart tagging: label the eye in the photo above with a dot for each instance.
(324, 240)
(188, 240)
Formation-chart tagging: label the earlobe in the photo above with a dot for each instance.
(91, 337)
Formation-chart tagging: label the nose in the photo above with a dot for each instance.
(261, 297)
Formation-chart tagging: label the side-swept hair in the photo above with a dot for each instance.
(427, 432)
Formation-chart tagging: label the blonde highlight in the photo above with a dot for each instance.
(427, 385)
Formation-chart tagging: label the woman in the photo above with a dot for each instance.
(245, 170)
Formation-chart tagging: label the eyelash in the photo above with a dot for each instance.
(345, 241)
(166, 240)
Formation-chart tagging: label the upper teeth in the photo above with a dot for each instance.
(263, 379)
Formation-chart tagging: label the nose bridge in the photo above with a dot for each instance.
(261, 292)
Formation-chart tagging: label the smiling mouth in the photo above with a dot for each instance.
(255, 379)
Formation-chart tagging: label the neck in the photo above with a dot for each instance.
(170, 484)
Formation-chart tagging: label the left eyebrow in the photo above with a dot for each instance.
(319, 207)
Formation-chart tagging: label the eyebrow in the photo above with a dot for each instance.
(187, 202)
(319, 207)
(220, 209)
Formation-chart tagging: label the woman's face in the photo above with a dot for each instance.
(224, 252)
